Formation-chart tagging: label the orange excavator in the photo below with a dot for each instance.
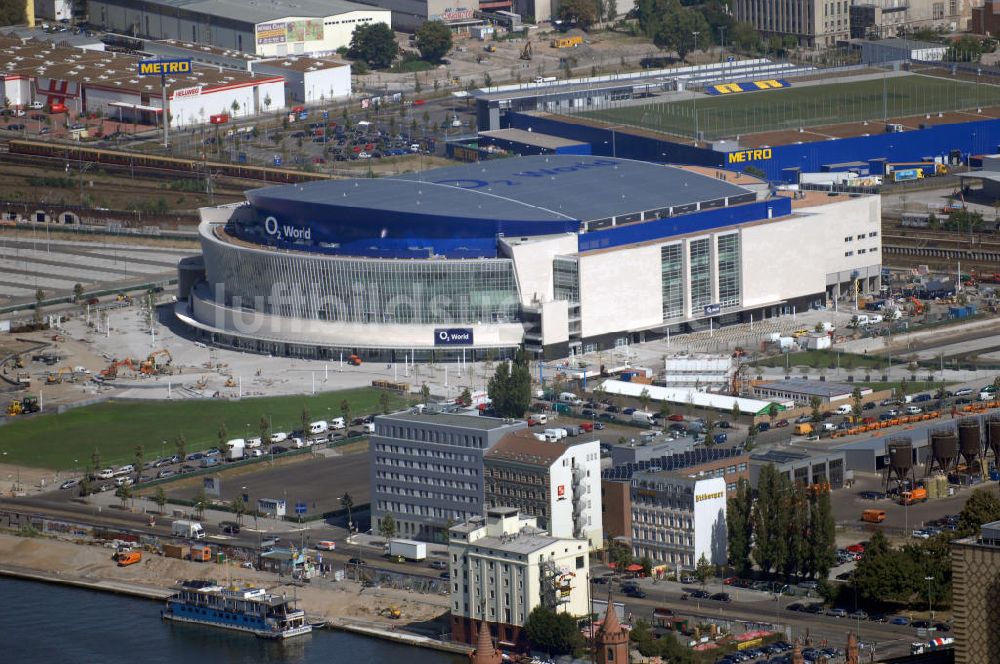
(112, 371)
(918, 306)
(149, 367)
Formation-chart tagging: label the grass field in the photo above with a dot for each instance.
(67, 441)
(805, 106)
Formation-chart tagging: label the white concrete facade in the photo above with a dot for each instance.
(194, 105)
(575, 494)
(677, 519)
(296, 35)
(503, 566)
(311, 83)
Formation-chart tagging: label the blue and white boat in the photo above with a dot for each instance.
(245, 609)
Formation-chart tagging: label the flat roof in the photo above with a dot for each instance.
(450, 420)
(910, 44)
(259, 12)
(555, 188)
(808, 387)
(522, 447)
(531, 138)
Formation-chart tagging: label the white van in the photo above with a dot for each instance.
(319, 426)
(844, 409)
(337, 423)
(642, 416)
(541, 418)
(249, 443)
(556, 434)
(279, 437)
(569, 397)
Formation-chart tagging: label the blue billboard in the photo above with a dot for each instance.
(453, 336)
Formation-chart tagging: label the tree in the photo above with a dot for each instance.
(239, 509)
(77, 292)
(345, 412)
(124, 493)
(619, 553)
(36, 315)
(744, 37)
(510, 387)
(735, 413)
(554, 633)
(647, 565)
(664, 409)
(425, 393)
(86, 482)
(581, 13)
(965, 49)
(814, 404)
(772, 412)
(160, 498)
(770, 532)
(433, 40)
(679, 28)
(139, 456)
(383, 401)
(201, 502)
(306, 419)
(739, 523)
(857, 408)
(703, 570)
(180, 444)
(465, 398)
(610, 10)
(12, 13)
(981, 507)
(373, 44)
(95, 460)
(822, 538)
(387, 527)
(644, 399)
(794, 505)
(347, 501)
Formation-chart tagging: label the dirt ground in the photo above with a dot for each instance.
(321, 598)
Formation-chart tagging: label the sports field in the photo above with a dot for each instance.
(67, 441)
(730, 115)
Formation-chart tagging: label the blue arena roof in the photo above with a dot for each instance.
(459, 211)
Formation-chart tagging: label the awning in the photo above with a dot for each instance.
(634, 567)
(137, 107)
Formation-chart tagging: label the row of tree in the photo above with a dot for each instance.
(786, 528)
(510, 387)
(375, 43)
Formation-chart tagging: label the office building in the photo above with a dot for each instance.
(427, 469)
(503, 566)
(975, 582)
(677, 519)
(557, 483)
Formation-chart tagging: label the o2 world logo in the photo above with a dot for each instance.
(286, 232)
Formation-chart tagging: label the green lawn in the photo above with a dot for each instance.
(825, 359)
(67, 441)
(805, 106)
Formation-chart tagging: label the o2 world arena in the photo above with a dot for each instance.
(558, 254)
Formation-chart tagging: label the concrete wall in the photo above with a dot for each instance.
(614, 282)
(337, 30)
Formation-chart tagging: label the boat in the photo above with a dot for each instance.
(244, 609)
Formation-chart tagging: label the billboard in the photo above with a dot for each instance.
(271, 33)
(454, 336)
(164, 67)
(187, 92)
(309, 30)
(713, 309)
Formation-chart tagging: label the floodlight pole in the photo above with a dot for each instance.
(163, 111)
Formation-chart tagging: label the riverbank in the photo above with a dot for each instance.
(342, 605)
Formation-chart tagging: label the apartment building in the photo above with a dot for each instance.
(557, 483)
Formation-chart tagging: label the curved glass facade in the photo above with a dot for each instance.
(360, 290)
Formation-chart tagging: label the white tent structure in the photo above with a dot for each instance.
(720, 402)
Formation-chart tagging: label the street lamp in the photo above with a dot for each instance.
(930, 606)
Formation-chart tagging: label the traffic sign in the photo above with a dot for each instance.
(300, 508)
(326, 115)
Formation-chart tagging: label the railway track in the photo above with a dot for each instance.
(908, 247)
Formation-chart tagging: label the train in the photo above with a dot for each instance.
(73, 153)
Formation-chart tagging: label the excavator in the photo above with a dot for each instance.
(58, 376)
(112, 371)
(149, 367)
(24, 406)
(918, 306)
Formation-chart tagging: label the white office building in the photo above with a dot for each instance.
(503, 566)
(677, 519)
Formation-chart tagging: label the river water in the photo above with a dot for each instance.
(49, 624)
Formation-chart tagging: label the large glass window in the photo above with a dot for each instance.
(672, 277)
(729, 270)
(362, 290)
(566, 279)
(701, 274)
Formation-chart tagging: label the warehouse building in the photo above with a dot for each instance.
(90, 81)
(801, 391)
(532, 251)
(810, 468)
(276, 28)
(427, 469)
(503, 566)
(558, 483)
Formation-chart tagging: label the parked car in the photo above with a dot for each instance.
(781, 424)
(721, 597)
(439, 564)
(356, 561)
(837, 613)
(635, 592)
(899, 620)
(69, 484)
(675, 418)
